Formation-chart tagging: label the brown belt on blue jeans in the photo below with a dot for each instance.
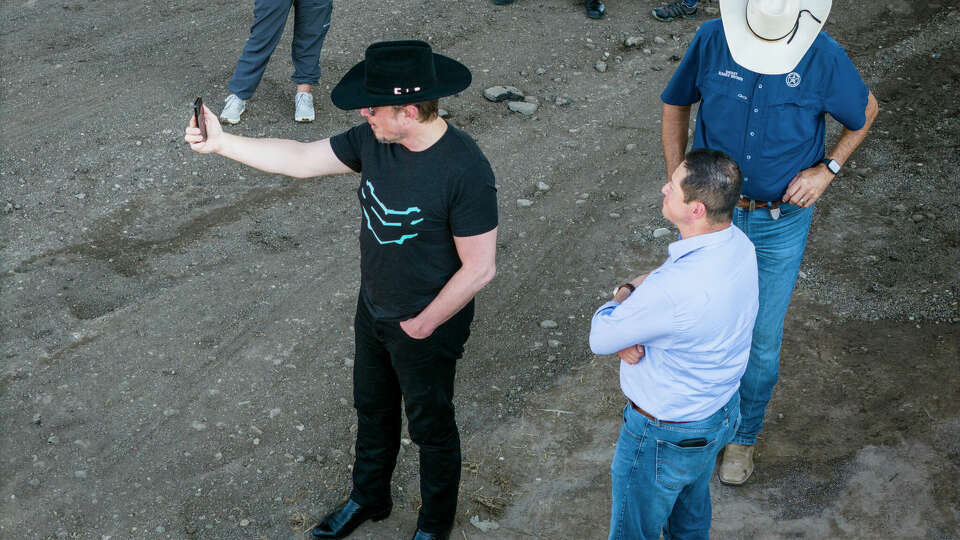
(752, 204)
(650, 416)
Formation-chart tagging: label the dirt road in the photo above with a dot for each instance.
(176, 328)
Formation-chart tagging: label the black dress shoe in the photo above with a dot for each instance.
(422, 535)
(342, 521)
(595, 9)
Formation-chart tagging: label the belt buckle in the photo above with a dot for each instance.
(775, 213)
(753, 205)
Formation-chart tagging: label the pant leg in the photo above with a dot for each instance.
(311, 20)
(636, 512)
(269, 18)
(426, 370)
(693, 512)
(779, 245)
(376, 397)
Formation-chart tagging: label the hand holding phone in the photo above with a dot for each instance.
(198, 116)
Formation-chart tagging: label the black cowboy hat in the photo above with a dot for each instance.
(397, 73)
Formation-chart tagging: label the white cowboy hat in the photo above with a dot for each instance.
(771, 36)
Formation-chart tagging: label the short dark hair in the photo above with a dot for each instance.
(426, 110)
(713, 178)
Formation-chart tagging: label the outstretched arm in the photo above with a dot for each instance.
(281, 156)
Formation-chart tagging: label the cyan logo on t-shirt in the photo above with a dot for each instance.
(388, 226)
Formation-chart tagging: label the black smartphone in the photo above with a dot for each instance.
(198, 116)
(692, 443)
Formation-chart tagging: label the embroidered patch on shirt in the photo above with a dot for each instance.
(730, 74)
(793, 79)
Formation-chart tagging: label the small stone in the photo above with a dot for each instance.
(524, 203)
(710, 10)
(647, 51)
(348, 361)
(548, 324)
(170, 412)
(37, 419)
(633, 41)
(405, 441)
(659, 40)
(532, 99)
(443, 113)
(631, 147)
(540, 71)
(199, 426)
(484, 526)
(7, 208)
(274, 413)
(159, 528)
(661, 232)
(553, 343)
(917, 218)
(600, 66)
(615, 215)
(53, 439)
(80, 474)
(244, 522)
(561, 101)
(935, 55)
(900, 208)
(80, 196)
(256, 441)
(543, 186)
(497, 94)
(522, 107)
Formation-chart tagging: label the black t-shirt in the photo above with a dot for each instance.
(412, 205)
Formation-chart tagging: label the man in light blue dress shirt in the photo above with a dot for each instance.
(683, 335)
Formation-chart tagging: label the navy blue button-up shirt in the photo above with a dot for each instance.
(772, 125)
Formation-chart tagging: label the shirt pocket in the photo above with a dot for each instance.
(723, 91)
(792, 122)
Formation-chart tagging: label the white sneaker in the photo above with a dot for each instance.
(304, 107)
(736, 465)
(233, 107)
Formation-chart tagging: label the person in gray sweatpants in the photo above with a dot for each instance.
(310, 24)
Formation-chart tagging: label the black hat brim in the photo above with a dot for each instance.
(350, 93)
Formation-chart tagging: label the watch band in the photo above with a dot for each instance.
(627, 285)
(831, 164)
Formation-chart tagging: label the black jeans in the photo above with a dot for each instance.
(389, 364)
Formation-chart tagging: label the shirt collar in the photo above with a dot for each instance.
(684, 246)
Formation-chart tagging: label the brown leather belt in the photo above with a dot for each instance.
(650, 416)
(750, 204)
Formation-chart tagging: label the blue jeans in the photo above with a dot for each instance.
(779, 244)
(660, 486)
(311, 21)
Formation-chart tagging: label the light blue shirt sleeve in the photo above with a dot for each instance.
(644, 318)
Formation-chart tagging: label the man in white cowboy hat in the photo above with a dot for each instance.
(428, 235)
(764, 75)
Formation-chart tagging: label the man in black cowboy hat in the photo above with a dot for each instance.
(427, 244)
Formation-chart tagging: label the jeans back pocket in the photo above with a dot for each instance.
(679, 466)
